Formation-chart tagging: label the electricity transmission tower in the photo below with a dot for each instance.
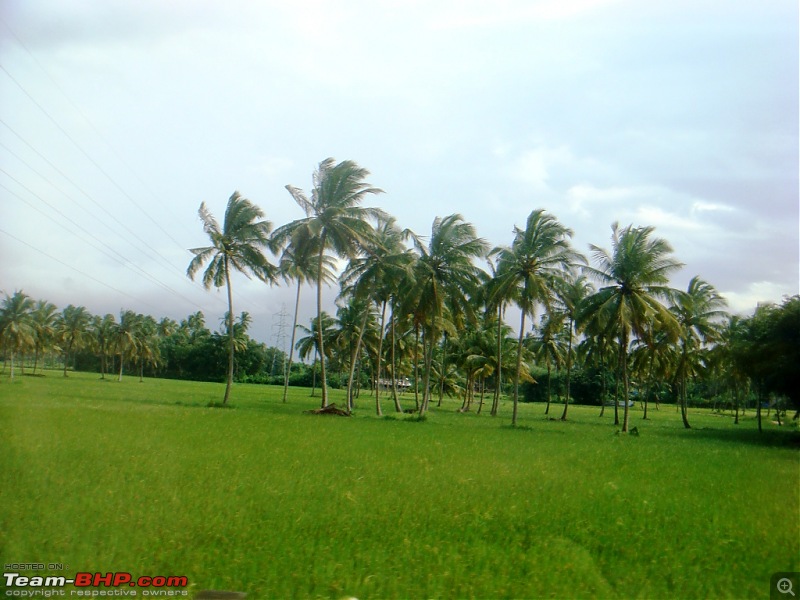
(279, 327)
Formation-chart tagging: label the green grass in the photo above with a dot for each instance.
(147, 478)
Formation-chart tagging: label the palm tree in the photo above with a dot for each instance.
(354, 318)
(652, 356)
(145, 346)
(44, 328)
(698, 312)
(336, 221)
(634, 276)
(297, 263)
(237, 245)
(72, 326)
(16, 325)
(376, 276)
(548, 346)
(444, 276)
(104, 330)
(571, 294)
(125, 337)
(527, 272)
(310, 343)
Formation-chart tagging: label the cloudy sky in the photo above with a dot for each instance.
(117, 118)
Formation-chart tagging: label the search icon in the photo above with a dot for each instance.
(784, 586)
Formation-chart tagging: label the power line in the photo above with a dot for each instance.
(89, 158)
(61, 262)
(93, 127)
(121, 260)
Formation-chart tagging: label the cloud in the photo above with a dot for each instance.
(756, 293)
(476, 14)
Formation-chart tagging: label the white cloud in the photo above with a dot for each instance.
(756, 293)
(535, 167)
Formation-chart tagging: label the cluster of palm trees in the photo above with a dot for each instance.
(36, 326)
(422, 307)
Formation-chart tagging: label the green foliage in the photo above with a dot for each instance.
(766, 347)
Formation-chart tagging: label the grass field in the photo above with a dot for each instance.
(262, 498)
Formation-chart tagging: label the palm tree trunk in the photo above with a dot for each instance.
(547, 408)
(683, 388)
(397, 406)
(416, 366)
(323, 384)
(759, 398)
(623, 357)
(569, 369)
(519, 367)
(498, 376)
(427, 347)
(353, 360)
(291, 344)
(380, 357)
(230, 331)
(649, 386)
(444, 369)
(66, 357)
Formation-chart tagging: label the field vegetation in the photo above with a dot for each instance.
(261, 497)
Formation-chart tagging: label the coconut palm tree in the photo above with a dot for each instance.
(699, 313)
(354, 317)
(43, 319)
(298, 263)
(445, 276)
(548, 346)
(336, 221)
(125, 337)
(633, 276)
(528, 270)
(377, 276)
(571, 293)
(103, 330)
(310, 343)
(72, 326)
(16, 324)
(237, 245)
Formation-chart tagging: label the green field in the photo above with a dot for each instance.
(262, 498)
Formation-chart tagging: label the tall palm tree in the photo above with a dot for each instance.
(634, 276)
(43, 319)
(125, 337)
(237, 245)
(548, 346)
(354, 317)
(444, 277)
(145, 347)
(16, 324)
(297, 262)
(336, 221)
(376, 276)
(699, 313)
(72, 326)
(528, 270)
(103, 329)
(310, 343)
(571, 294)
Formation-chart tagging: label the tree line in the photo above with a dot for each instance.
(421, 313)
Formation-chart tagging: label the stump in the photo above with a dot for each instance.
(331, 409)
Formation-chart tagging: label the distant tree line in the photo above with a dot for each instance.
(422, 316)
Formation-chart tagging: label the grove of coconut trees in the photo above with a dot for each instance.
(421, 316)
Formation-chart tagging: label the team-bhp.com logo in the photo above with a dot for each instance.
(94, 584)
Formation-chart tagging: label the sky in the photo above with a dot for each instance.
(118, 118)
